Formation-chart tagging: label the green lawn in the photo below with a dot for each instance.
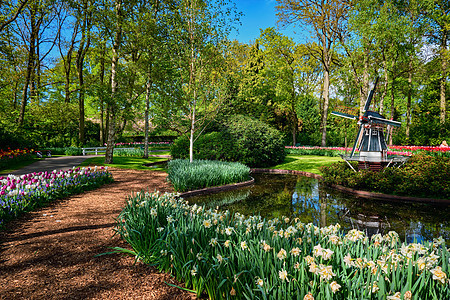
(125, 162)
(159, 152)
(306, 163)
(19, 165)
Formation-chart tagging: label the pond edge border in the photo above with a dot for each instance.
(358, 193)
(217, 189)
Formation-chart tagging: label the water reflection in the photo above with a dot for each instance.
(276, 195)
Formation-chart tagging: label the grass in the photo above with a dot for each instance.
(306, 163)
(126, 162)
(19, 165)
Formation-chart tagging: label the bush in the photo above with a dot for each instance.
(187, 176)
(209, 146)
(421, 176)
(243, 139)
(257, 144)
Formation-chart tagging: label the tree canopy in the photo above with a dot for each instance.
(92, 72)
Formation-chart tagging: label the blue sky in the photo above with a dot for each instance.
(259, 14)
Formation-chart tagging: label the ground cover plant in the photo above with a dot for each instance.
(187, 176)
(421, 176)
(235, 257)
(19, 194)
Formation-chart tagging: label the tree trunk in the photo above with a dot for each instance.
(408, 102)
(365, 82)
(443, 81)
(386, 83)
(81, 54)
(112, 104)
(147, 108)
(326, 87)
(30, 64)
(102, 102)
(392, 110)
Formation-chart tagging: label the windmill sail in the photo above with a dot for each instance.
(369, 98)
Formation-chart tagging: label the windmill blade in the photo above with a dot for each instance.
(384, 121)
(344, 115)
(358, 137)
(369, 98)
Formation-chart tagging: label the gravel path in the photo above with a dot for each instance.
(51, 253)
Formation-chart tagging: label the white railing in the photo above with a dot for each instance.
(95, 150)
(99, 150)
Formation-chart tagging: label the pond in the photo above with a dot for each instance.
(276, 195)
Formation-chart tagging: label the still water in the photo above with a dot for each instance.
(276, 195)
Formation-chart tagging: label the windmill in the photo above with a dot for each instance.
(370, 139)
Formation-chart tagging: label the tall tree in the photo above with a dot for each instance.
(112, 105)
(201, 28)
(9, 12)
(84, 12)
(283, 64)
(438, 15)
(326, 18)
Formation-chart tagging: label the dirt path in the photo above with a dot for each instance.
(50, 253)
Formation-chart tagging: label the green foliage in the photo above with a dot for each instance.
(129, 152)
(187, 176)
(421, 176)
(257, 144)
(210, 146)
(243, 139)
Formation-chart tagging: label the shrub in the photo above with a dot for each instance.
(421, 176)
(187, 176)
(242, 139)
(209, 146)
(257, 144)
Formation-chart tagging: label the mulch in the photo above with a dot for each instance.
(51, 253)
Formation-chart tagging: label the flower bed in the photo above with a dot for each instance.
(24, 193)
(9, 157)
(232, 256)
(392, 150)
(150, 144)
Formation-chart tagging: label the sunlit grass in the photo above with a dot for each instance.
(306, 163)
(127, 162)
(18, 165)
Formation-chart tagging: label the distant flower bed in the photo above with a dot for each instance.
(9, 156)
(235, 257)
(24, 193)
(392, 150)
(142, 143)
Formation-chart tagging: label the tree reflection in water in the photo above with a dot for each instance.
(276, 195)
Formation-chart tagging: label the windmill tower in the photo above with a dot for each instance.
(370, 140)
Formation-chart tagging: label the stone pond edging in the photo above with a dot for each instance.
(357, 193)
(218, 189)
